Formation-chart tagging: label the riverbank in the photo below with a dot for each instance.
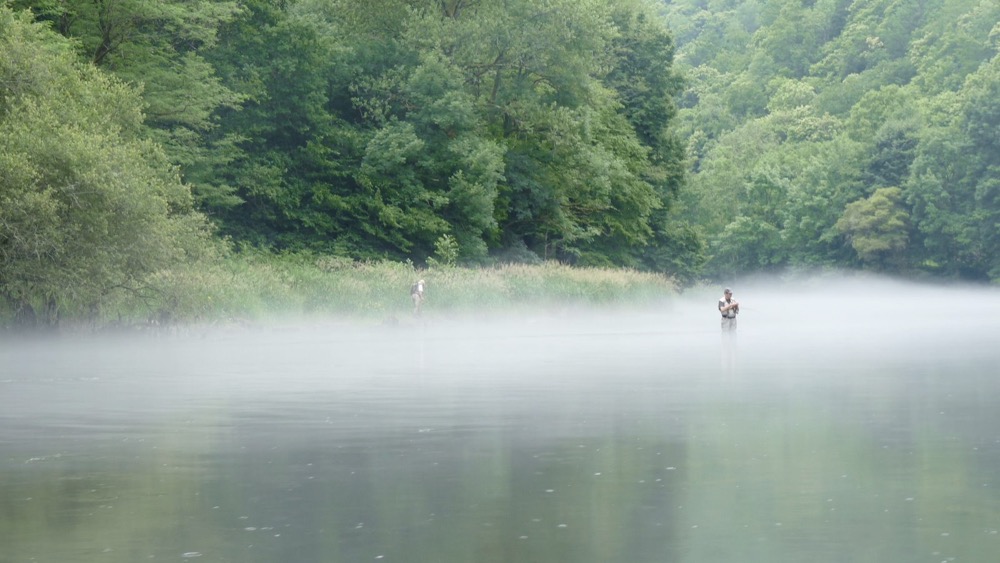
(257, 287)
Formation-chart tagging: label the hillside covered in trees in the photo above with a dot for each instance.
(688, 137)
(847, 133)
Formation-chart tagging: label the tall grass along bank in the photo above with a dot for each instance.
(259, 287)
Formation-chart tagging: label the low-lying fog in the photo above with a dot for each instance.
(805, 324)
(841, 406)
(816, 333)
(820, 330)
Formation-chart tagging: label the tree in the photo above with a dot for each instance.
(876, 227)
(157, 47)
(980, 119)
(374, 131)
(953, 43)
(748, 244)
(87, 206)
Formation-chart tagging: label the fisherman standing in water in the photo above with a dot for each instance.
(729, 308)
(417, 294)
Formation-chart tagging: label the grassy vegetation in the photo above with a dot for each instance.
(257, 286)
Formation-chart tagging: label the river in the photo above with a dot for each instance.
(847, 422)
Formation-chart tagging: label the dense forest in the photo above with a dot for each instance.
(696, 138)
(846, 133)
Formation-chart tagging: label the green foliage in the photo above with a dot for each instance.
(539, 131)
(446, 250)
(497, 124)
(680, 250)
(372, 131)
(88, 209)
(156, 47)
(253, 285)
(747, 244)
(844, 133)
(876, 226)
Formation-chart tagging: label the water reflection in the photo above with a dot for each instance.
(583, 438)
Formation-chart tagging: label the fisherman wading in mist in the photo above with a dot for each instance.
(729, 308)
(417, 294)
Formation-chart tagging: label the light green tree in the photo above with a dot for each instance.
(876, 227)
(87, 207)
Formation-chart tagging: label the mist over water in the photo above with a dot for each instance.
(848, 420)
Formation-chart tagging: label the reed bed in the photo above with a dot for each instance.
(259, 285)
(255, 286)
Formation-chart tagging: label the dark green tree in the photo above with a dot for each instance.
(377, 131)
(157, 47)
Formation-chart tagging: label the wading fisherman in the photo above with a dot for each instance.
(417, 295)
(729, 308)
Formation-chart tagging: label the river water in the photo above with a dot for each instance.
(846, 422)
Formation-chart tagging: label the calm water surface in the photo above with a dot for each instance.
(855, 425)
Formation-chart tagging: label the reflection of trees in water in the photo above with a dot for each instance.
(435, 496)
(853, 477)
(117, 498)
(752, 469)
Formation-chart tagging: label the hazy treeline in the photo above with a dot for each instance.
(141, 140)
(470, 131)
(859, 133)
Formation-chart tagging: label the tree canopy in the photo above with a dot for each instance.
(88, 205)
(376, 131)
(690, 137)
(842, 133)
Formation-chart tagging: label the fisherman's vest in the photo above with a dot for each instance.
(730, 314)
